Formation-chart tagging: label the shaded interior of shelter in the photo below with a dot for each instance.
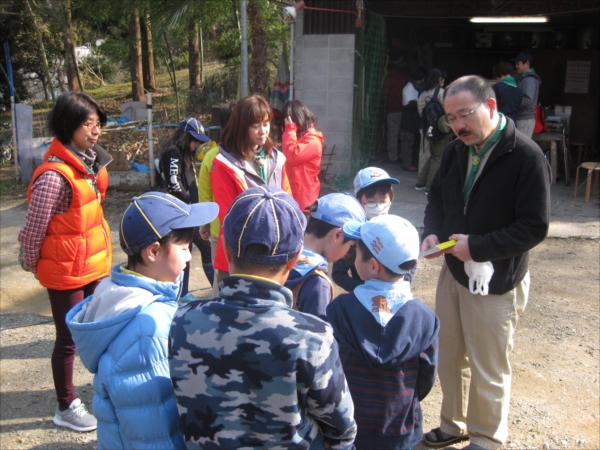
(415, 27)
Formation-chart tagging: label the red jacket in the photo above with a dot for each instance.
(303, 163)
(230, 177)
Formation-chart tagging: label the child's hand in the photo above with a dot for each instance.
(205, 232)
(428, 242)
(288, 120)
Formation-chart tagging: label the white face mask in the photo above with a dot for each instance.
(377, 209)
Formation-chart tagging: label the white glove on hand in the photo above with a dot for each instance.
(479, 275)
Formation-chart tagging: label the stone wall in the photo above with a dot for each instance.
(324, 81)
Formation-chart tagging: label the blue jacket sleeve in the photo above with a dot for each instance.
(340, 276)
(427, 370)
(314, 296)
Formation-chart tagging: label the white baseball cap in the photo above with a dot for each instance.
(392, 239)
(370, 175)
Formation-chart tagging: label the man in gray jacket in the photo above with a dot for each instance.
(529, 83)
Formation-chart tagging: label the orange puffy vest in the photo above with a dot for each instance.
(77, 248)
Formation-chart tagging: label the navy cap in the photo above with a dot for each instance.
(195, 128)
(522, 56)
(265, 215)
(152, 215)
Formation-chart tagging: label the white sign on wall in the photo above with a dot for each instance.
(578, 77)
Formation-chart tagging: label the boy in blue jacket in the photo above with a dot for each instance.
(324, 242)
(388, 340)
(121, 331)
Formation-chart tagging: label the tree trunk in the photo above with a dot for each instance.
(135, 55)
(194, 53)
(70, 62)
(48, 82)
(259, 73)
(147, 54)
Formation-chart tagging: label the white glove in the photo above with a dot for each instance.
(479, 275)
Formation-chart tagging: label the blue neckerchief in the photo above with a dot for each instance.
(308, 261)
(383, 299)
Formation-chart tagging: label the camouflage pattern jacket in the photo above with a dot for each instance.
(248, 371)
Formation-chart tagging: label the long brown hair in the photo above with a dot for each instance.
(248, 111)
(182, 141)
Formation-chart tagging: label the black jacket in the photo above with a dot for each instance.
(508, 211)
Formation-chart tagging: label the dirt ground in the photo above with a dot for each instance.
(555, 399)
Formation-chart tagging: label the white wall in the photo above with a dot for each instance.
(324, 81)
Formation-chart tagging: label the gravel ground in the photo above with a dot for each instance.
(555, 400)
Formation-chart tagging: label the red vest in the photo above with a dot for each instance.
(77, 248)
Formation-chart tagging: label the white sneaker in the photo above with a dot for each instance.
(75, 417)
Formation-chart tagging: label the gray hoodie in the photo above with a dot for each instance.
(530, 86)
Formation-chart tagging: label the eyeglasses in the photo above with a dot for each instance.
(451, 120)
(91, 125)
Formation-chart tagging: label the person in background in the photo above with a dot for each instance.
(373, 189)
(122, 330)
(431, 156)
(302, 146)
(65, 241)
(508, 94)
(392, 92)
(247, 370)
(210, 232)
(409, 123)
(529, 83)
(179, 171)
(246, 159)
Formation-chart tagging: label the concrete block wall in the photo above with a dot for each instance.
(324, 81)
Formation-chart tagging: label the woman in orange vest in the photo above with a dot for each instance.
(65, 241)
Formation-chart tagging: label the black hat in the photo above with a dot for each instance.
(522, 56)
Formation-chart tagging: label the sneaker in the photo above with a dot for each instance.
(419, 187)
(75, 417)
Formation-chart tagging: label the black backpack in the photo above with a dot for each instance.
(432, 113)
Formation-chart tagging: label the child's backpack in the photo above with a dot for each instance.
(432, 113)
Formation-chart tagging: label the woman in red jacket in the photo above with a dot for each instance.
(302, 146)
(246, 159)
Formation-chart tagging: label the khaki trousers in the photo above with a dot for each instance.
(476, 337)
(526, 127)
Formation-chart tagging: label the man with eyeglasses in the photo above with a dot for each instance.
(492, 195)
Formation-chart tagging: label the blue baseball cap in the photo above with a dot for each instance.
(265, 215)
(152, 215)
(337, 209)
(195, 128)
(392, 239)
(370, 175)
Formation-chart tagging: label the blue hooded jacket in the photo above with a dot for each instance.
(121, 333)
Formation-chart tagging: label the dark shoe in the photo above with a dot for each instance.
(411, 168)
(437, 438)
(419, 187)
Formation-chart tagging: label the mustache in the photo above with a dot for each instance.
(463, 132)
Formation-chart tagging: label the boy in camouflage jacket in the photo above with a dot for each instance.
(247, 370)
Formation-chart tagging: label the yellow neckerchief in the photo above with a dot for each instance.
(126, 271)
(254, 277)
